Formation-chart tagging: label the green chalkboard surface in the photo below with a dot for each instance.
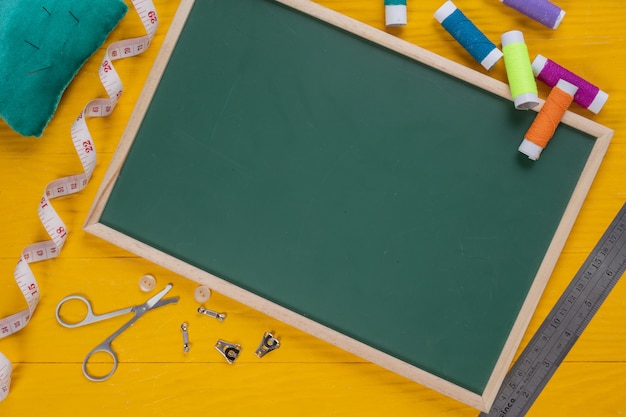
(347, 183)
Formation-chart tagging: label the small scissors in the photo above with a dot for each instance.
(105, 346)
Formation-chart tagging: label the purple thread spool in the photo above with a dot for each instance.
(542, 11)
(588, 95)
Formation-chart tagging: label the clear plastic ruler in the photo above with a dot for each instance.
(84, 145)
(564, 324)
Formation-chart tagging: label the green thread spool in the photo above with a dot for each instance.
(519, 70)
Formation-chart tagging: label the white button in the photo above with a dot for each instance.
(147, 283)
(202, 293)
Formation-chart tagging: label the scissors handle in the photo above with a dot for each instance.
(102, 347)
(105, 347)
(90, 317)
(154, 302)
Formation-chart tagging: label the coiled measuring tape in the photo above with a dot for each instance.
(84, 145)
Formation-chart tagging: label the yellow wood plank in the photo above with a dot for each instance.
(306, 376)
(166, 389)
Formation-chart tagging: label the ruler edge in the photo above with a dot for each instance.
(619, 215)
(482, 402)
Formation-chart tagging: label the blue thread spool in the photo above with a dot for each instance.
(467, 34)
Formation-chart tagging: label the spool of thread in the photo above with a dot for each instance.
(395, 12)
(543, 127)
(542, 11)
(588, 96)
(468, 35)
(519, 70)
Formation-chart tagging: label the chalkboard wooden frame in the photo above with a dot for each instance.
(480, 401)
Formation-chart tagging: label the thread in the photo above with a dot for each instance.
(543, 127)
(395, 13)
(588, 95)
(468, 35)
(542, 11)
(519, 70)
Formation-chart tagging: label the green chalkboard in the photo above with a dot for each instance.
(347, 183)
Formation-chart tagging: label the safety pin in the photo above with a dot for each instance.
(184, 328)
(211, 313)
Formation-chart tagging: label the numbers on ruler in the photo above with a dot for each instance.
(564, 323)
(597, 262)
(152, 16)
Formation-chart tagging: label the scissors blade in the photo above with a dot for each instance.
(165, 302)
(154, 302)
(154, 299)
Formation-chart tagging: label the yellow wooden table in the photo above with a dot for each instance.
(306, 376)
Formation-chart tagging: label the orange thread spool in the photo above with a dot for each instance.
(549, 117)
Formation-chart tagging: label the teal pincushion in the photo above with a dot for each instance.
(43, 44)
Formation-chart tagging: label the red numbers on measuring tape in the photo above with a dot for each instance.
(106, 66)
(87, 146)
(61, 232)
(152, 16)
(33, 289)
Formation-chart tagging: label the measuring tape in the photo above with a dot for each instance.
(83, 143)
(565, 323)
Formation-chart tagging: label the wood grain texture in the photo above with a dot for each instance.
(306, 376)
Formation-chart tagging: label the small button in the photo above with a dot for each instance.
(202, 293)
(147, 283)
